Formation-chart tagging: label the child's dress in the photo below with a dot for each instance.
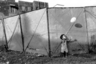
(64, 46)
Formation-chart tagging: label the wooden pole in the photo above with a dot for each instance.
(22, 36)
(86, 27)
(49, 44)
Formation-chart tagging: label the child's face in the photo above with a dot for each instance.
(64, 37)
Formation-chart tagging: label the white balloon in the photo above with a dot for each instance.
(73, 19)
(16, 0)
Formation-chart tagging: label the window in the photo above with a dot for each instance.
(23, 8)
(29, 8)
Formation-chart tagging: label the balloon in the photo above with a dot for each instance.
(73, 19)
(16, 0)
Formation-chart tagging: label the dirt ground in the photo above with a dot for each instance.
(13, 57)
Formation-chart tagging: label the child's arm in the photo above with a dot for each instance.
(70, 40)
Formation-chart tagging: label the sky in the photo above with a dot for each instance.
(67, 3)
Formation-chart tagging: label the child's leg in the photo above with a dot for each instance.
(64, 54)
(67, 54)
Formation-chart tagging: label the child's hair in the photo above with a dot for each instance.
(61, 37)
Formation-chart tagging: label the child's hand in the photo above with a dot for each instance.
(73, 40)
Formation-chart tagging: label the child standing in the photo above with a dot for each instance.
(64, 48)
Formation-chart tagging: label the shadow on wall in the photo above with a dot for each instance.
(35, 39)
(15, 43)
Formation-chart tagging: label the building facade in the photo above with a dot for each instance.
(8, 0)
(25, 6)
(39, 5)
(10, 7)
(6, 7)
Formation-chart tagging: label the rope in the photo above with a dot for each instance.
(59, 21)
(91, 15)
(67, 33)
(62, 14)
(8, 28)
(13, 32)
(35, 31)
(73, 23)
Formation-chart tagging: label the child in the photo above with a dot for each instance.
(64, 48)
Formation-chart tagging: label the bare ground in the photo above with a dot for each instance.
(14, 57)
